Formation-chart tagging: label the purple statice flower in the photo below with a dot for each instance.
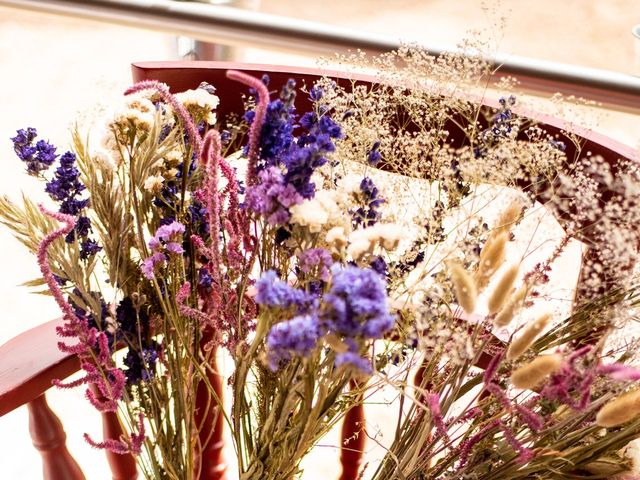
(357, 303)
(310, 151)
(301, 155)
(132, 322)
(205, 280)
(379, 265)
(273, 292)
(352, 359)
(170, 232)
(298, 336)
(88, 248)
(316, 258)
(150, 264)
(272, 197)
(167, 240)
(316, 93)
(38, 157)
(374, 156)
(276, 136)
(368, 214)
(141, 364)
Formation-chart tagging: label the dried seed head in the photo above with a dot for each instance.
(534, 372)
(464, 287)
(527, 337)
(508, 217)
(491, 257)
(503, 289)
(619, 410)
(512, 307)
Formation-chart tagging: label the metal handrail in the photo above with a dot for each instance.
(253, 29)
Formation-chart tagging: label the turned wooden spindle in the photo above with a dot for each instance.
(123, 467)
(210, 423)
(49, 439)
(353, 440)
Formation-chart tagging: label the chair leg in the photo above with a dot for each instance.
(49, 439)
(353, 438)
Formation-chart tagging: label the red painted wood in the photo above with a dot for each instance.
(49, 438)
(123, 467)
(28, 364)
(210, 422)
(353, 440)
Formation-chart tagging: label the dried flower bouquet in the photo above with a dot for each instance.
(334, 252)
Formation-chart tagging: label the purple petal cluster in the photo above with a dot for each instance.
(295, 337)
(141, 363)
(272, 196)
(374, 156)
(354, 360)
(38, 157)
(300, 155)
(316, 259)
(368, 214)
(310, 150)
(65, 187)
(357, 304)
(167, 240)
(273, 292)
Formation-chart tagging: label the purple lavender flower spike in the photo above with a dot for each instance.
(38, 157)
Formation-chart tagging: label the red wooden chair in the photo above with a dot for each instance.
(30, 361)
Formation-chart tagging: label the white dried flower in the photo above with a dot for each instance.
(199, 103)
(154, 183)
(336, 237)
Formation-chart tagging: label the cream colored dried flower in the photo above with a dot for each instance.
(322, 211)
(336, 237)
(388, 235)
(464, 287)
(491, 258)
(503, 289)
(359, 247)
(200, 104)
(512, 307)
(619, 410)
(520, 344)
(533, 373)
(154, 183)
(170, 174)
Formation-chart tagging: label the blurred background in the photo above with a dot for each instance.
(56, 70)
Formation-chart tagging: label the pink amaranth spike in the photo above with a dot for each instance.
(258, 119)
